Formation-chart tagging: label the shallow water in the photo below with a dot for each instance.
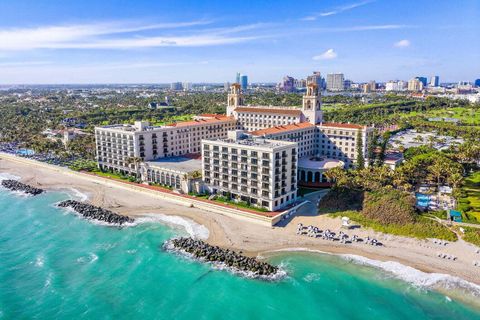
(54, 264)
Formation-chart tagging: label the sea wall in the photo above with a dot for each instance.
(167, 196)
(96, 213)
(15, 185)
(205, 252)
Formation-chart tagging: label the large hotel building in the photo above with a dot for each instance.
(257, 154)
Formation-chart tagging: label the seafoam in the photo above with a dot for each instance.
(408, 274)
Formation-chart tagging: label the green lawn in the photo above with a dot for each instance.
(468, 116)
(224, 200)
(113, 175)
(469, 203)
(423, 228)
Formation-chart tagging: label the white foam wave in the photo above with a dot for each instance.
(406, 273)
(8, 176)
(195, 230)
(77, 195)
(416, 277)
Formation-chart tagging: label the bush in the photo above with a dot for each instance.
(341, 199)
(389, 206)
(422, 228)
(472, 235)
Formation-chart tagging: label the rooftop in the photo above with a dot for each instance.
(341, 125)
(255, 142)
(273, 110)
(216, 119)
(281, 129)
(310, 162)
(184, 164)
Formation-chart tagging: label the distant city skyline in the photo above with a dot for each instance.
(58, 42)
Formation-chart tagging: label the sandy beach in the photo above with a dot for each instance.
(254, 239)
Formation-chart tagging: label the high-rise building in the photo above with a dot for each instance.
(244, 82)
(237, 78)
(335, 81)
(415, 85)
(315, 78)
(399, 85)
(373, 85)
(287, 84)
(187, 86)
(177, 86)
(423, 80)
(477, 83)
(347, 84)
(434, 81)
(255, 170)
(300, 83)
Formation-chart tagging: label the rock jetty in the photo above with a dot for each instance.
(214, 254)
(14, 185)
(95, 213)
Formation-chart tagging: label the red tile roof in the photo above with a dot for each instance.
(213, 115)
(341, 125)
(294, 112)
(201, 121)
(280, 129)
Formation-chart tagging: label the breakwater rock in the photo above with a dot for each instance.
(14, 185)
(203, 251)
(96, 213)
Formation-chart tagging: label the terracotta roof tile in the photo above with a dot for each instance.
(280, 129)
(201, 121)
(341, 125)
(295, 112)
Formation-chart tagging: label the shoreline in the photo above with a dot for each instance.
(252, 238)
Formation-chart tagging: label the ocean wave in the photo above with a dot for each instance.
(8, 176)
(77, 195)
(405, 273)
(195, 230)
(416, 277)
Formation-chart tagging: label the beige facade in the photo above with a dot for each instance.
(119, 145)
(258, 171)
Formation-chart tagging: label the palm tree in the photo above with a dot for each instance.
(135, 161)
(437, 170)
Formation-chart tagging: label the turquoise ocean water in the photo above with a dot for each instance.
(55, 265)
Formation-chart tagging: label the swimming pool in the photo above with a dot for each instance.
(25, 152)
(423, 200)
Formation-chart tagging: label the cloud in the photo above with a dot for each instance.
(118, 36)
(327, 55)
(337, 10)
(402, 43)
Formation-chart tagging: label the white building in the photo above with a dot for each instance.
(396, 86)
(123, 147)
(335, 82)
(260, 117)
(152, 153)
(258, 171)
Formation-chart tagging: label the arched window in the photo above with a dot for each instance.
(302, 175)
(317, 177)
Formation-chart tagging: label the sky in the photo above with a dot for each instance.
(160, 41)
